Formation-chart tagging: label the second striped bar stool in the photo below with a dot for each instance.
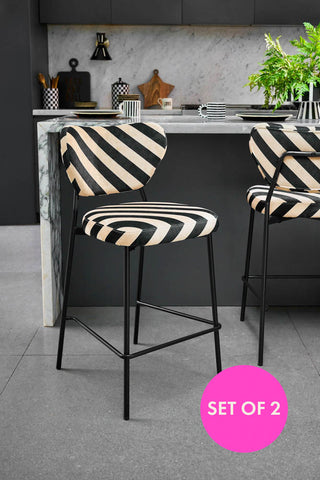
(288, 158)
(106, 160)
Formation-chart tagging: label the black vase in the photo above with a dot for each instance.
(316, 95)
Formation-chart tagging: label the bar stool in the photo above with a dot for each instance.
(102, 160)
(288, 158)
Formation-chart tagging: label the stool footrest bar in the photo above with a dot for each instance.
(255, 293)
(146, 350)
(252, 290)
(96, 336)
(175, 312)
(172, 342)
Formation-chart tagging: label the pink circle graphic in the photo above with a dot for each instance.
(244, 408)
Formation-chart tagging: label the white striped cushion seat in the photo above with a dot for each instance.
(285, 203)
(148, 223)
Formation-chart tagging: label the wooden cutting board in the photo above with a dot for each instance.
(73, 86)
(155, 89)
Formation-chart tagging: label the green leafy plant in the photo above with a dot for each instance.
(282, 74)
(309, 49)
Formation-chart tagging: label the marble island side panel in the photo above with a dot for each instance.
(50, 223)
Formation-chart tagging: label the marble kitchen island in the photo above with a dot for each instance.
(207, 164)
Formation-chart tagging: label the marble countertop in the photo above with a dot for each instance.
(41, 112)
(172, 124)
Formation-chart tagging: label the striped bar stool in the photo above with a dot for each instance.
(288, 158)
(105, 160)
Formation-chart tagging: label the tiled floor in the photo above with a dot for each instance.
(67, 425)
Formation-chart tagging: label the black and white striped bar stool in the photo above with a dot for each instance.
(288, 158)
(105, 160)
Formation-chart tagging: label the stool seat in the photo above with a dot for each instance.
(285, 203)
(148, 223)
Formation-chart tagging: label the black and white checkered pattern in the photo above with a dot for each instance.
(50, 98)
(118, 88)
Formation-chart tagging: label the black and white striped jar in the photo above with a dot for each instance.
(214, 110)
(130, 108)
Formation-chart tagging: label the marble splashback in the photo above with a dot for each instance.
(205, 63)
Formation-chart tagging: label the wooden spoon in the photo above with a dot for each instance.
(42, 80)
(55, 81)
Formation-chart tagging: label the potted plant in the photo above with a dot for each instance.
(309, 53)
(283, 75)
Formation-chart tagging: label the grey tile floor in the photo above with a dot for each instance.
(67, 425)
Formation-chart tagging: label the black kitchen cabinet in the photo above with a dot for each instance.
(287, 12)
(146, 12)
(75, 11)
(218, 12)
(177, 12)
(24, 53)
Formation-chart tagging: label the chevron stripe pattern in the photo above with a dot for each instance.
(148, 223)
(269, 141)
(285, 203)
(102, 160)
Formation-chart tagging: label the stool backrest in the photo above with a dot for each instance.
(269, 141)
(103, 160)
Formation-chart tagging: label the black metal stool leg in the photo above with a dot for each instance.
(137, 314)
(126, 337)
(263, 285)
(247, 267)
(214, 303)
(67, 280)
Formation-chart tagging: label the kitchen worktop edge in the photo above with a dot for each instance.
(40, 112)
(171, 124)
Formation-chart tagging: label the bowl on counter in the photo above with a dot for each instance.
(89, 105)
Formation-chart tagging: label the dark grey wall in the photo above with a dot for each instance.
(23, 52)
(213, 171)
(38, 35)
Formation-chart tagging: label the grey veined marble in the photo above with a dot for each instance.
(205, 63)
